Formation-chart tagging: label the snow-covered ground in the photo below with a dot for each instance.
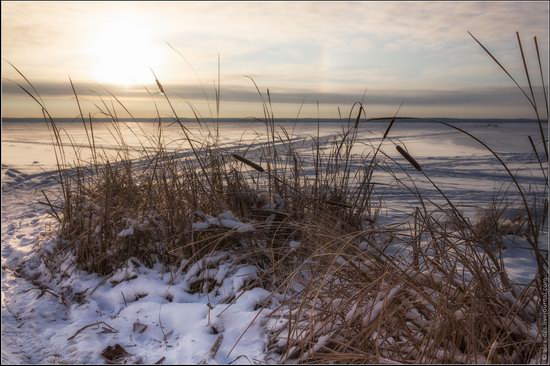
(151, 312)
(154, 314)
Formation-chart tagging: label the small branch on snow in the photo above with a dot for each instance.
(213, 350)
(91, 325)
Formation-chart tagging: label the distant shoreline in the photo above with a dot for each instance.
(289, 120)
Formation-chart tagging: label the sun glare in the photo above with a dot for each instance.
(125, 52)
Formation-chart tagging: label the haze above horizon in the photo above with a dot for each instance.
(417, 53)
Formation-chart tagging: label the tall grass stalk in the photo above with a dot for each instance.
(342, 294)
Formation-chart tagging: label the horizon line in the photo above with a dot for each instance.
(78, 119)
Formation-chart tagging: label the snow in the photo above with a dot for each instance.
(225, 220)
(294, 244)
(71, 318)
(126, 232)
(40, 326)
(519, 259)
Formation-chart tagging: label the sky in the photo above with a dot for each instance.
(316, 58)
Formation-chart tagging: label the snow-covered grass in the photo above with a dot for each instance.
(68, 315)
(268, 269)
(325, 248)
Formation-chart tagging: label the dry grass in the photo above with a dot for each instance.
(356, 304)
(342, 297)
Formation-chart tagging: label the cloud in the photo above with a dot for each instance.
(246, 28)
(417, 51)
(489, 97)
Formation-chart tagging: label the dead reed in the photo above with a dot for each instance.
(342, 295)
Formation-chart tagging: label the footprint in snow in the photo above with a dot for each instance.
(11, 228)
(26, 241)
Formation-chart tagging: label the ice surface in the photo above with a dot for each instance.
(182, 327)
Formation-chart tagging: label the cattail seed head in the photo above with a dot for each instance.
(249, 163)
(409, 158)
(159, 86)
(358, 116)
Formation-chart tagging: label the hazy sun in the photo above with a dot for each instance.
(125, 52)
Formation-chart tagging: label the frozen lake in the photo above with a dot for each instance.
(27, 146)
(469, 174)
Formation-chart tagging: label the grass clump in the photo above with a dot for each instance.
(304, 212)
